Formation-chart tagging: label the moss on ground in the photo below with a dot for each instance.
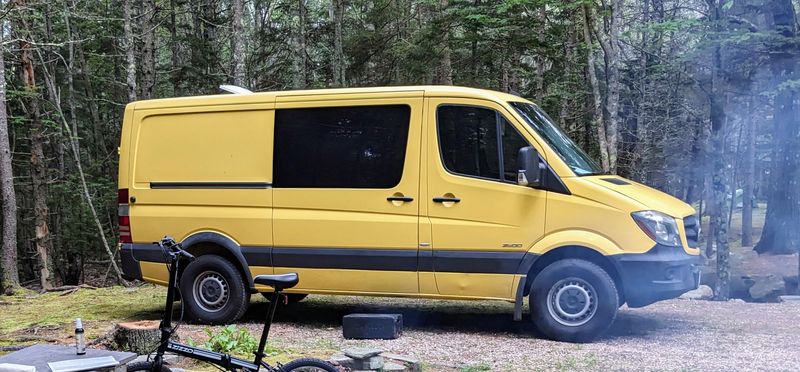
(29, 317)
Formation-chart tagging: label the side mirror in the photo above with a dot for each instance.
(530, 170)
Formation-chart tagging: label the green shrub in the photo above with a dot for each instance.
(231, 340)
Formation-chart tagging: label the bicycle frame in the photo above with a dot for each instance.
(223, 360)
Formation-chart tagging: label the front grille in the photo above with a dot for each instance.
(692, 227)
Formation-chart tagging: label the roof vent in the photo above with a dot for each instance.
(235, 89)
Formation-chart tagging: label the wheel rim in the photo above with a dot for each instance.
(572, 302)
(211, 291)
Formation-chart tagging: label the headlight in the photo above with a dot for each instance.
(659, 227)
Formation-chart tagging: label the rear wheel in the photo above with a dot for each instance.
(213, 290)
(573, 300)
(308, 365)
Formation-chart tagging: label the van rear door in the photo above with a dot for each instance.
(202, 169)
(346, 186)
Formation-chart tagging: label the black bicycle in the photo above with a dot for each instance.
(176, 254)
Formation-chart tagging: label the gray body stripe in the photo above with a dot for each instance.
(477, 261)
(210, 185)
(257, 256)
(346, 258)
(463, 261)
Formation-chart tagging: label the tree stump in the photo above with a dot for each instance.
(138, 337)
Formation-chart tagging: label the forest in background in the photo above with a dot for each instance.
(698, 98)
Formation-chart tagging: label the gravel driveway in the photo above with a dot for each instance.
(480, 335)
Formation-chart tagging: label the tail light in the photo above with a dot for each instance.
(124, 217)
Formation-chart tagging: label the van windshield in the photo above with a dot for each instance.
(576, 159)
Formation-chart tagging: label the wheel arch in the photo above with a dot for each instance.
(204, 243)
(536, 265)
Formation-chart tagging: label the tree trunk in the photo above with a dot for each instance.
(445, 68)
(748, 176)
(9, 196)
(568, 109)
(719, 181)
(148, 62)
(137, 337)
(642, 150)
(734, 181)
(44, 246)
(130, 50)
(597, 100)
(176, 69)
(781, 234)
(540, 57)
(71, 79)
(237, 44)
(300, 60)
(338, 68)
(100, 132)
(612, 82)
(503, 78)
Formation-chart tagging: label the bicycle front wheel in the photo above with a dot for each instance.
(308, 365)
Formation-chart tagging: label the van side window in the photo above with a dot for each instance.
(340, 147)
(469, 145)
(468, 140)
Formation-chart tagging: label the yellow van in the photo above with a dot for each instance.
(429, 191)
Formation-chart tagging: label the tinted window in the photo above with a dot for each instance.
(340, 147)
(468, 140)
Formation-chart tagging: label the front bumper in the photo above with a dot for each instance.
(659, 274)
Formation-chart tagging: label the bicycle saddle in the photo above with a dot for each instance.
(279, 282)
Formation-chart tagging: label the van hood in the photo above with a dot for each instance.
(648, 196)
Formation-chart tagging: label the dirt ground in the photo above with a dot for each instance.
(453, 335)
(481, 336)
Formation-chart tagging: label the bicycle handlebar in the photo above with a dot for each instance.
(171, 246)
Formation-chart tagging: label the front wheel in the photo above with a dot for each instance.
(573, 300)
(146, 366)
(308, 365)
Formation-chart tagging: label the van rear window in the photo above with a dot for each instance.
(340, 147)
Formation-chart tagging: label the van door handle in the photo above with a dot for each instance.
(400, 198)
(442, 199)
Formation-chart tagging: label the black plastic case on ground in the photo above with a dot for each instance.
(372, 326)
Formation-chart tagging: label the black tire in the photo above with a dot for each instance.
(290, 297)
(145, 366)
(214, 291)
(573, 300)
(307, 365)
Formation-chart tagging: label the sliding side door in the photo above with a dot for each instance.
(346, 186)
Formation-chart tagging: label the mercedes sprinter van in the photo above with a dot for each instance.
(430, 191)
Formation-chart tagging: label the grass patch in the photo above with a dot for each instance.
(572, 363)
(480, 367)
(29, 317)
